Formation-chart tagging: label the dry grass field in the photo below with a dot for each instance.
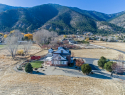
(44, 52)
(97, 53)
(115, 45)
(27, 84)
(15, 83)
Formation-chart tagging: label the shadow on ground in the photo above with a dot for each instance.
(99, 76)
(38, 73)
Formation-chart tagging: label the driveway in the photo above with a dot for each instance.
(90, 62)
(68, 71)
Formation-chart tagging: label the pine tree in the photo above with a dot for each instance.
(28, 68)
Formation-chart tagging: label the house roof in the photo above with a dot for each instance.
(50, 49)
(58, 55)
(65, 52)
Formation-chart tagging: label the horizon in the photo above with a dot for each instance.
(113, 6)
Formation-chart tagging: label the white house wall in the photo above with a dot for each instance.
(59, 62)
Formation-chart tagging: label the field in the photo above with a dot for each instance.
(96, 53)
(41, 53)
(19, 84)
(115, 45)
(16, 83)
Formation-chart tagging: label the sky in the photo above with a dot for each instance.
(105, 6)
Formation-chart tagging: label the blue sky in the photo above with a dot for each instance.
(105, 6)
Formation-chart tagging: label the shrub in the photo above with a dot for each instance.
(71, 64)
(41, 66)
(29, 36)
(79, 62)
(102, 61)
(108, 66)
(28, 68)
(20, 68)
(35, 68)
(86, 69)
(74, 59)
(20, 52)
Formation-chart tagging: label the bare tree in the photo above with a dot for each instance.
(79, 62)
(26, 46)
(54, 41)
(40, 37)
(43, 36)
(53, 35)
(119, 66)
(17, 33)
(12, 45)
(114, 66)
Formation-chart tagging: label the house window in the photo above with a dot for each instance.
(59, 57)
(61, 51)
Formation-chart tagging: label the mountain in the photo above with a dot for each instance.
(4, 7)
(119, 21)
(62, 19)
(97, 15)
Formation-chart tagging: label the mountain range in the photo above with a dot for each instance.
(62, 19)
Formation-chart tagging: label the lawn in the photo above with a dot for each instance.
(2, 46)
(36, 64)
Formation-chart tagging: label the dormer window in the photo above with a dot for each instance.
(61, 51)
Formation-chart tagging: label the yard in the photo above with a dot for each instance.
(36, 64)
(14, 83)
(2, 46)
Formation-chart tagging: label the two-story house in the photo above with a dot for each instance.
(61, 57)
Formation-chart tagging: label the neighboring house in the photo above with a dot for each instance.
(111, 39)
(61, 57)
(72, 42)
(22, 42)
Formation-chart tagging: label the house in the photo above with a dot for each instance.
(61, 57)
(72, 42)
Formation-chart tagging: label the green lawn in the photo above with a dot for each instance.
(36, 64)
(2, 46)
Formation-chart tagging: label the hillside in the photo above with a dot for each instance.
(97, 15)
(4, 7)
(119, 21)
(62, 19)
